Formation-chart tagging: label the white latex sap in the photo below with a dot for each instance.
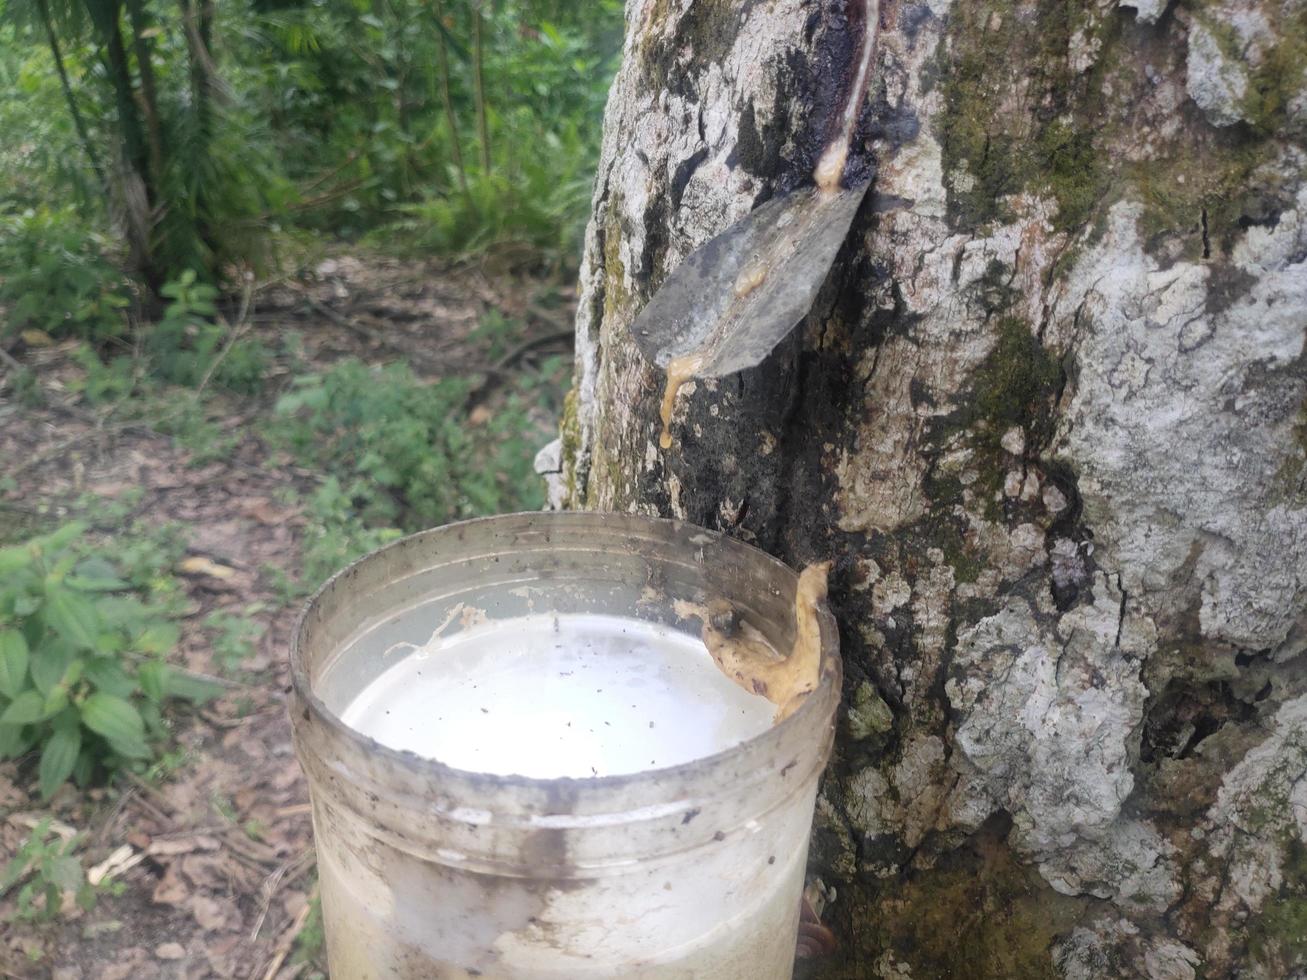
(565, 695)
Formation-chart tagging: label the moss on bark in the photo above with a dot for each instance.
(1017, 115)
(977, 916)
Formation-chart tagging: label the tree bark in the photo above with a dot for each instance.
(1047, 416)
(197, 24)
(135, 184)
(479, 89)
(446, 99)
(149, 102)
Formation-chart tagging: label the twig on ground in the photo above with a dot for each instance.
(122, 860)
(246, 858)
(102, 832)
(531, 344)
(10, 360)
(557, 319)
(207, 831)
(211, 679)
(285, 873)
(339, 320)
(152, 811)
(287, 941)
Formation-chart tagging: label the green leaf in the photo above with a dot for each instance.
(152, 677)
(86, 583)
(107, 675)
(119, 722)
(72, 674)
(55, 702)
(58, 758)
(26, 604)
(152, 715)
(50, 664)
(85, 768)
(72, 616)
(60, 569)
(24, 709)
(125, 611)
(14, 870)
(12, 742)
(13, 662)
(65, 872)
(178, 684)
(14, 559)
(61, 537)
(97, 566)
(157, 638)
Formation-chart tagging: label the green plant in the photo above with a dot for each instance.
(333, 537)
(311, 940)
(146, 553)
(26, 389)
(187, 346)
(82, 675)
(233, 636)
(48, 868)
(404, 452)
(58, 276)
(104, 381)
(538, 201)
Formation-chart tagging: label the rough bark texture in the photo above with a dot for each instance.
(1048, 417)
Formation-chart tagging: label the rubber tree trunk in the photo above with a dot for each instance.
(1047, 416)
(136, 185)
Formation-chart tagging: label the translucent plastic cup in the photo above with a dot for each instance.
(688, 870)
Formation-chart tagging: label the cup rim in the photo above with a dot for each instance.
(817, 711)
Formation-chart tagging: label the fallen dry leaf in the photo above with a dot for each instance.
(245, 798)
(170, 951)
(208, 885)
(37, 338)
(199, 565)
(10, 795)
(110, 488)
(130, 961)
(217, 871)
(293, 902)
(208, 913)
(223, 955)
(30, 821)
(170, 890)
(182, 845)
(263, 511)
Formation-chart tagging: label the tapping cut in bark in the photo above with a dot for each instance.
(737, 296)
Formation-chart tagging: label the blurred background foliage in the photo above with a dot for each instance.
(301, 270)
(164, 161)
(146, 140)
